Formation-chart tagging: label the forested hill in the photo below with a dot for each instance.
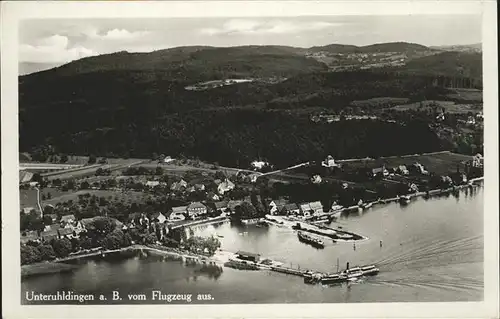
(194, 64)
(127, 104)
(372, 48)
(207, 63)
(455, 64)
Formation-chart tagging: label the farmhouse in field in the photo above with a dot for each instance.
(379, 172)
(329, 162)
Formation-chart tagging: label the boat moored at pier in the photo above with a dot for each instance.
(303, 237)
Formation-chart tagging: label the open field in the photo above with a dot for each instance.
(469, 95)
(90, 170)
(27, 198)
(380, 102)
(438, 163)
(46, 166)
(121, 195)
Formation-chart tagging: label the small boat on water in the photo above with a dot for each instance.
(303, 237)
(333, 279)
(370, 270)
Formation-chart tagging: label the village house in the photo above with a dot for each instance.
(133, 218)
(67, 220)
(275, 206)
(53, 217)
(477, 161)
(253, 177)
(316, 179)
(290, 209)
(49, 235)
(403, 170)
(440, 117)
(53, 226)
(379, 172)
(308, 209)
(25, 177)
(196, 209)
(168, 159)
(259, 164)
(78, 228)
(178, 213)
(412, 188)
(33, 184)
(213, 196)
(420, 168)
(158, 217)
(65, 233)
(471, 120)
(329, 162)
(225, 186)
(446, 180)
(178, 186)
(220, 207)
(199, 187)
(152, 184)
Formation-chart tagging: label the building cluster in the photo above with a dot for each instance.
(330, 118)
(65, 227)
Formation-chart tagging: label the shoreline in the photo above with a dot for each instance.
(219, 258)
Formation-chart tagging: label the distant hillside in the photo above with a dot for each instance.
(455, 64)
(194, 64)
(476, 47)
(373, 48)
(135, 104)
(335, 48)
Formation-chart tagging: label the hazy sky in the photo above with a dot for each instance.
(54, 42)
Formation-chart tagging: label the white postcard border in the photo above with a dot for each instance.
(12, 12)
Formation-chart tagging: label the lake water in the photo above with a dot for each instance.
(432, 251)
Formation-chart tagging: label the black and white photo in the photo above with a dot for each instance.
(269, 159)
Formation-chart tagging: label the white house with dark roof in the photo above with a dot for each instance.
(225, 186)
(158, 217)
(178, 213)
(311, 208)
(196, 209)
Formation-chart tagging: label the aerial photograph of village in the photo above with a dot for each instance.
(251, 160)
